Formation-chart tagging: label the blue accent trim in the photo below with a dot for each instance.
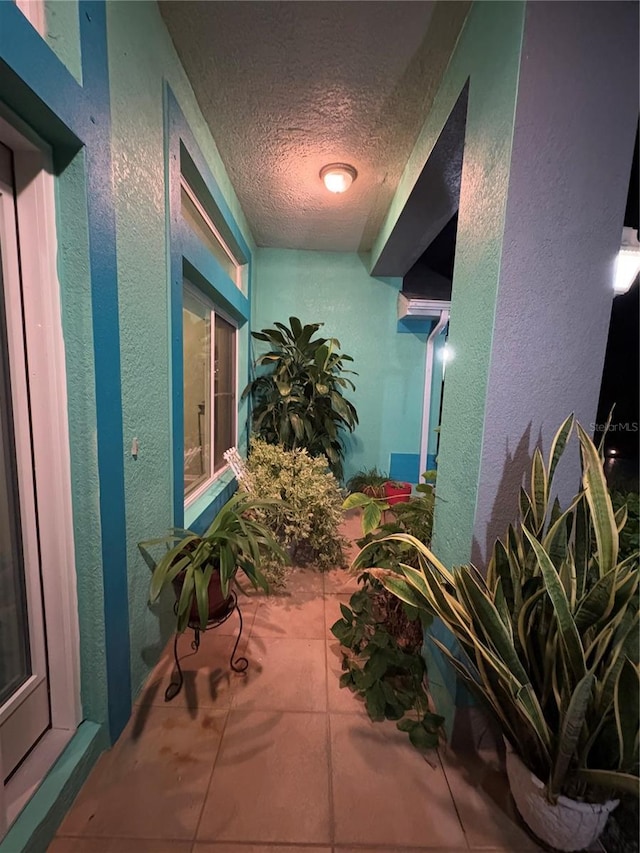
(106, 342)
(415, 325)
(405, 467)
(431, 462)
(203, 270)
(37, 823)
(67, 115)
(189, 257)
(200, 524)
(37, 87)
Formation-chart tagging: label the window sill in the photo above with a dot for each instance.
(194, 510)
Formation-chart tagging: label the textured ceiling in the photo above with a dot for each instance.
(287, 87)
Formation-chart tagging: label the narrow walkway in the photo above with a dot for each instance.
(280, 760)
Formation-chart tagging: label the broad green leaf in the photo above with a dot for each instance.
(568, 632)
(571, 727)
(597, 495)
(623, 783)
(558, 446)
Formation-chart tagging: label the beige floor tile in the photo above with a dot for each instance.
(284, 675)
(481, 793)
(304, 581)
(339, 581)
(153, 783)
(271, 781)
(385, 794)
(300, 616)
(386, 849)
(340, 699)
(117, 845)
(257, 848)
(208, 677)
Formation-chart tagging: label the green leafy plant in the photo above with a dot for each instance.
(630, 533)
(305, 509)
(369, 482)
(298, 397)
(234, 541)
(550, 636)
(382, 636)
(387, 671)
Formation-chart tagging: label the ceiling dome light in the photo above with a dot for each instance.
(338, 177)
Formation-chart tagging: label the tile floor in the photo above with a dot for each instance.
(280, 760)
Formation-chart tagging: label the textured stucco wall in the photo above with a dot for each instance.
(62, 33)
(77, 323)
(573, 142)
(335, 288)
(488, 53)
(141, 55)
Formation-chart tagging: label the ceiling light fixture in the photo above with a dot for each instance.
(338, 177)
(627, 262)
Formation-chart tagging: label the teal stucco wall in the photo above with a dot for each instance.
(141, 58)
(488, 55)
(336, 289)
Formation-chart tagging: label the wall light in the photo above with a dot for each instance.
(338, 177)
(627, 262)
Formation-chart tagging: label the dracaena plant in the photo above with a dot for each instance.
(298, 397)
(235, 541)
(549, 637)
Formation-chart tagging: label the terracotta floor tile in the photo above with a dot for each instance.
(152, 784)
(481, 793)
(304, 580)
(271, 781)
(208, 677)
(386, 849)
(117, 845)
(340, 699)
(257, 848)
(300, 616)
(385, 794)
(339, 581)
(283, 675)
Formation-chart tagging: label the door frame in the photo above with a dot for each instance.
(46, 369)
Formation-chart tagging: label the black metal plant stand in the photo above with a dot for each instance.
(238, 664)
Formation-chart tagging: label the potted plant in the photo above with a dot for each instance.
(298, 399)
(368, 482)
(549, 643)
(202, 568)
(397, 492)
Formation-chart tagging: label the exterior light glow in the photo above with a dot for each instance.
(627, 262)
(447, 354)
(338, 177)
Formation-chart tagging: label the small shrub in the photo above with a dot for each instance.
(307, 525)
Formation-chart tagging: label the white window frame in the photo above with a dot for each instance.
(35, 201)
(209, 305)
(34, 12)
(215, 233)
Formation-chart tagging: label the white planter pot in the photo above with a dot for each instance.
(568, 825)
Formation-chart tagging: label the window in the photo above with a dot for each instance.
(207, 398)
(209, 370)
(202, 225)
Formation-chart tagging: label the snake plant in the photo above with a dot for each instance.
(550, 635)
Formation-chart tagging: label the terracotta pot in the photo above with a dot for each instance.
(397, 493)
(567, 825)
(218, 605)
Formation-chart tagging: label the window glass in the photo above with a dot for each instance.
(224, 407)
(196, 337)
(192, 215)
